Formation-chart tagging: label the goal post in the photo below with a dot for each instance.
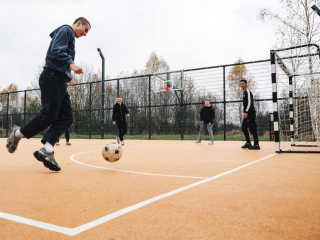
(295, 76)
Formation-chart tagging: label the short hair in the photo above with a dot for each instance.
(207, 100)
(119, 97)
(243, 80)
(83, 21)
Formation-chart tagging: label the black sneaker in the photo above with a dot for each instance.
(254, 147)
(12, 142)
(47, 158)
(247, 145)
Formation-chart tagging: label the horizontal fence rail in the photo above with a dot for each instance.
(153, 112)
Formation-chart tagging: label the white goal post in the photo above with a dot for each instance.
(295, 75)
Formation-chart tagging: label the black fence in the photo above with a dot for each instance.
(154, 112)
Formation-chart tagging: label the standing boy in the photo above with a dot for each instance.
(249, 117)
(56, 110)
(119, 116)
(207, 116)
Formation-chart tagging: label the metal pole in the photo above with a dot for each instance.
(102, 95)
(7, 114)
(118, 87)
(90, 107)
(182, 107)
(25, 108)
(224, 106)
(149, 120)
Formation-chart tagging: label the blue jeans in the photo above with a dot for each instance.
(209, 127)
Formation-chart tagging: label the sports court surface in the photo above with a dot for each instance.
(159, 190)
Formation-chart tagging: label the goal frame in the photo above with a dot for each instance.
(275, 59)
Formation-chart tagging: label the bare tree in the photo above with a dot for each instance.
(295, 23)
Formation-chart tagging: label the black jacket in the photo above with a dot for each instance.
(247, 99)
(207, 114)
(119, 113)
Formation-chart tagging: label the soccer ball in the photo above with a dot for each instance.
(112, 152)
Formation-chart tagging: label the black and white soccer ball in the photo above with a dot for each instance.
(112, 152)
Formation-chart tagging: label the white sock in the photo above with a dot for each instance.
(48, 147)
(18, 133)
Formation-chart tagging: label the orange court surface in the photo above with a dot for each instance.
(159, 190)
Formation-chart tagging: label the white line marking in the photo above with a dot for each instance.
(34, 223)
(126, 171)
(87, 226)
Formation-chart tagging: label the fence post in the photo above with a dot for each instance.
(149, 120)
(7, 114)
(118, 87)
(90, 107)
(182, 107)
(25, 108)
(224, 105)
(102, 95)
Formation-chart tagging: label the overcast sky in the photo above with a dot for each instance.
(187, 34)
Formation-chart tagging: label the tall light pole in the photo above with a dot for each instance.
(102, 95)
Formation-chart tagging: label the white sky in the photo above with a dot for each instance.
(187, 34)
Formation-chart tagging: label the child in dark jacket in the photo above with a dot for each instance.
(207, 116)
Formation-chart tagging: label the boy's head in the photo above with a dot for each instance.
(119, 100)
(207, 103)
(81, 27)
(243, 84)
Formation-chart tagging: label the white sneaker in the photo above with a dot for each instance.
(211, 143)
(118, 140)
(198, 141)
(57, 144)
(122, 143)
(68, 143)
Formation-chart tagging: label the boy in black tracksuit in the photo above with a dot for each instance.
(249, 117)
(119, 116)
(207, 116)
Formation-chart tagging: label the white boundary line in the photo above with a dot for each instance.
(126, 171)
(87, 226)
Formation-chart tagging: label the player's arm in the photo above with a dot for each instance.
(59, 49)
(212, 115)
(127, 112)
(248, 101)
(114, 114)
(201, 115)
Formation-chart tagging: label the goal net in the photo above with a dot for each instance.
(295, 74)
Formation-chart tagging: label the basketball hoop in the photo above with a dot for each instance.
(165, 88)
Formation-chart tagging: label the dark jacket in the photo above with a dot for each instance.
(247, 99)
(207, 114)
(119, 113)
(61, 51)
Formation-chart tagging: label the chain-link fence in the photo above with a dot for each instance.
(157, 113)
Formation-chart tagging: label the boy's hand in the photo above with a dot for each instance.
(76, 69)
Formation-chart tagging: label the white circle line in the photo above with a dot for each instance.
(126, 171)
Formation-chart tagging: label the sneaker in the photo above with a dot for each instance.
(122, 142)
(198, 141)
(254, 147)
(12, 142)
(47, 158)
(118, 140)
(246, 145)
(58, 144)
(211, 142)
(68, 143)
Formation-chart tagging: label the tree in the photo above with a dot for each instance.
(296, 23)
(156, 64)
(237, 73)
